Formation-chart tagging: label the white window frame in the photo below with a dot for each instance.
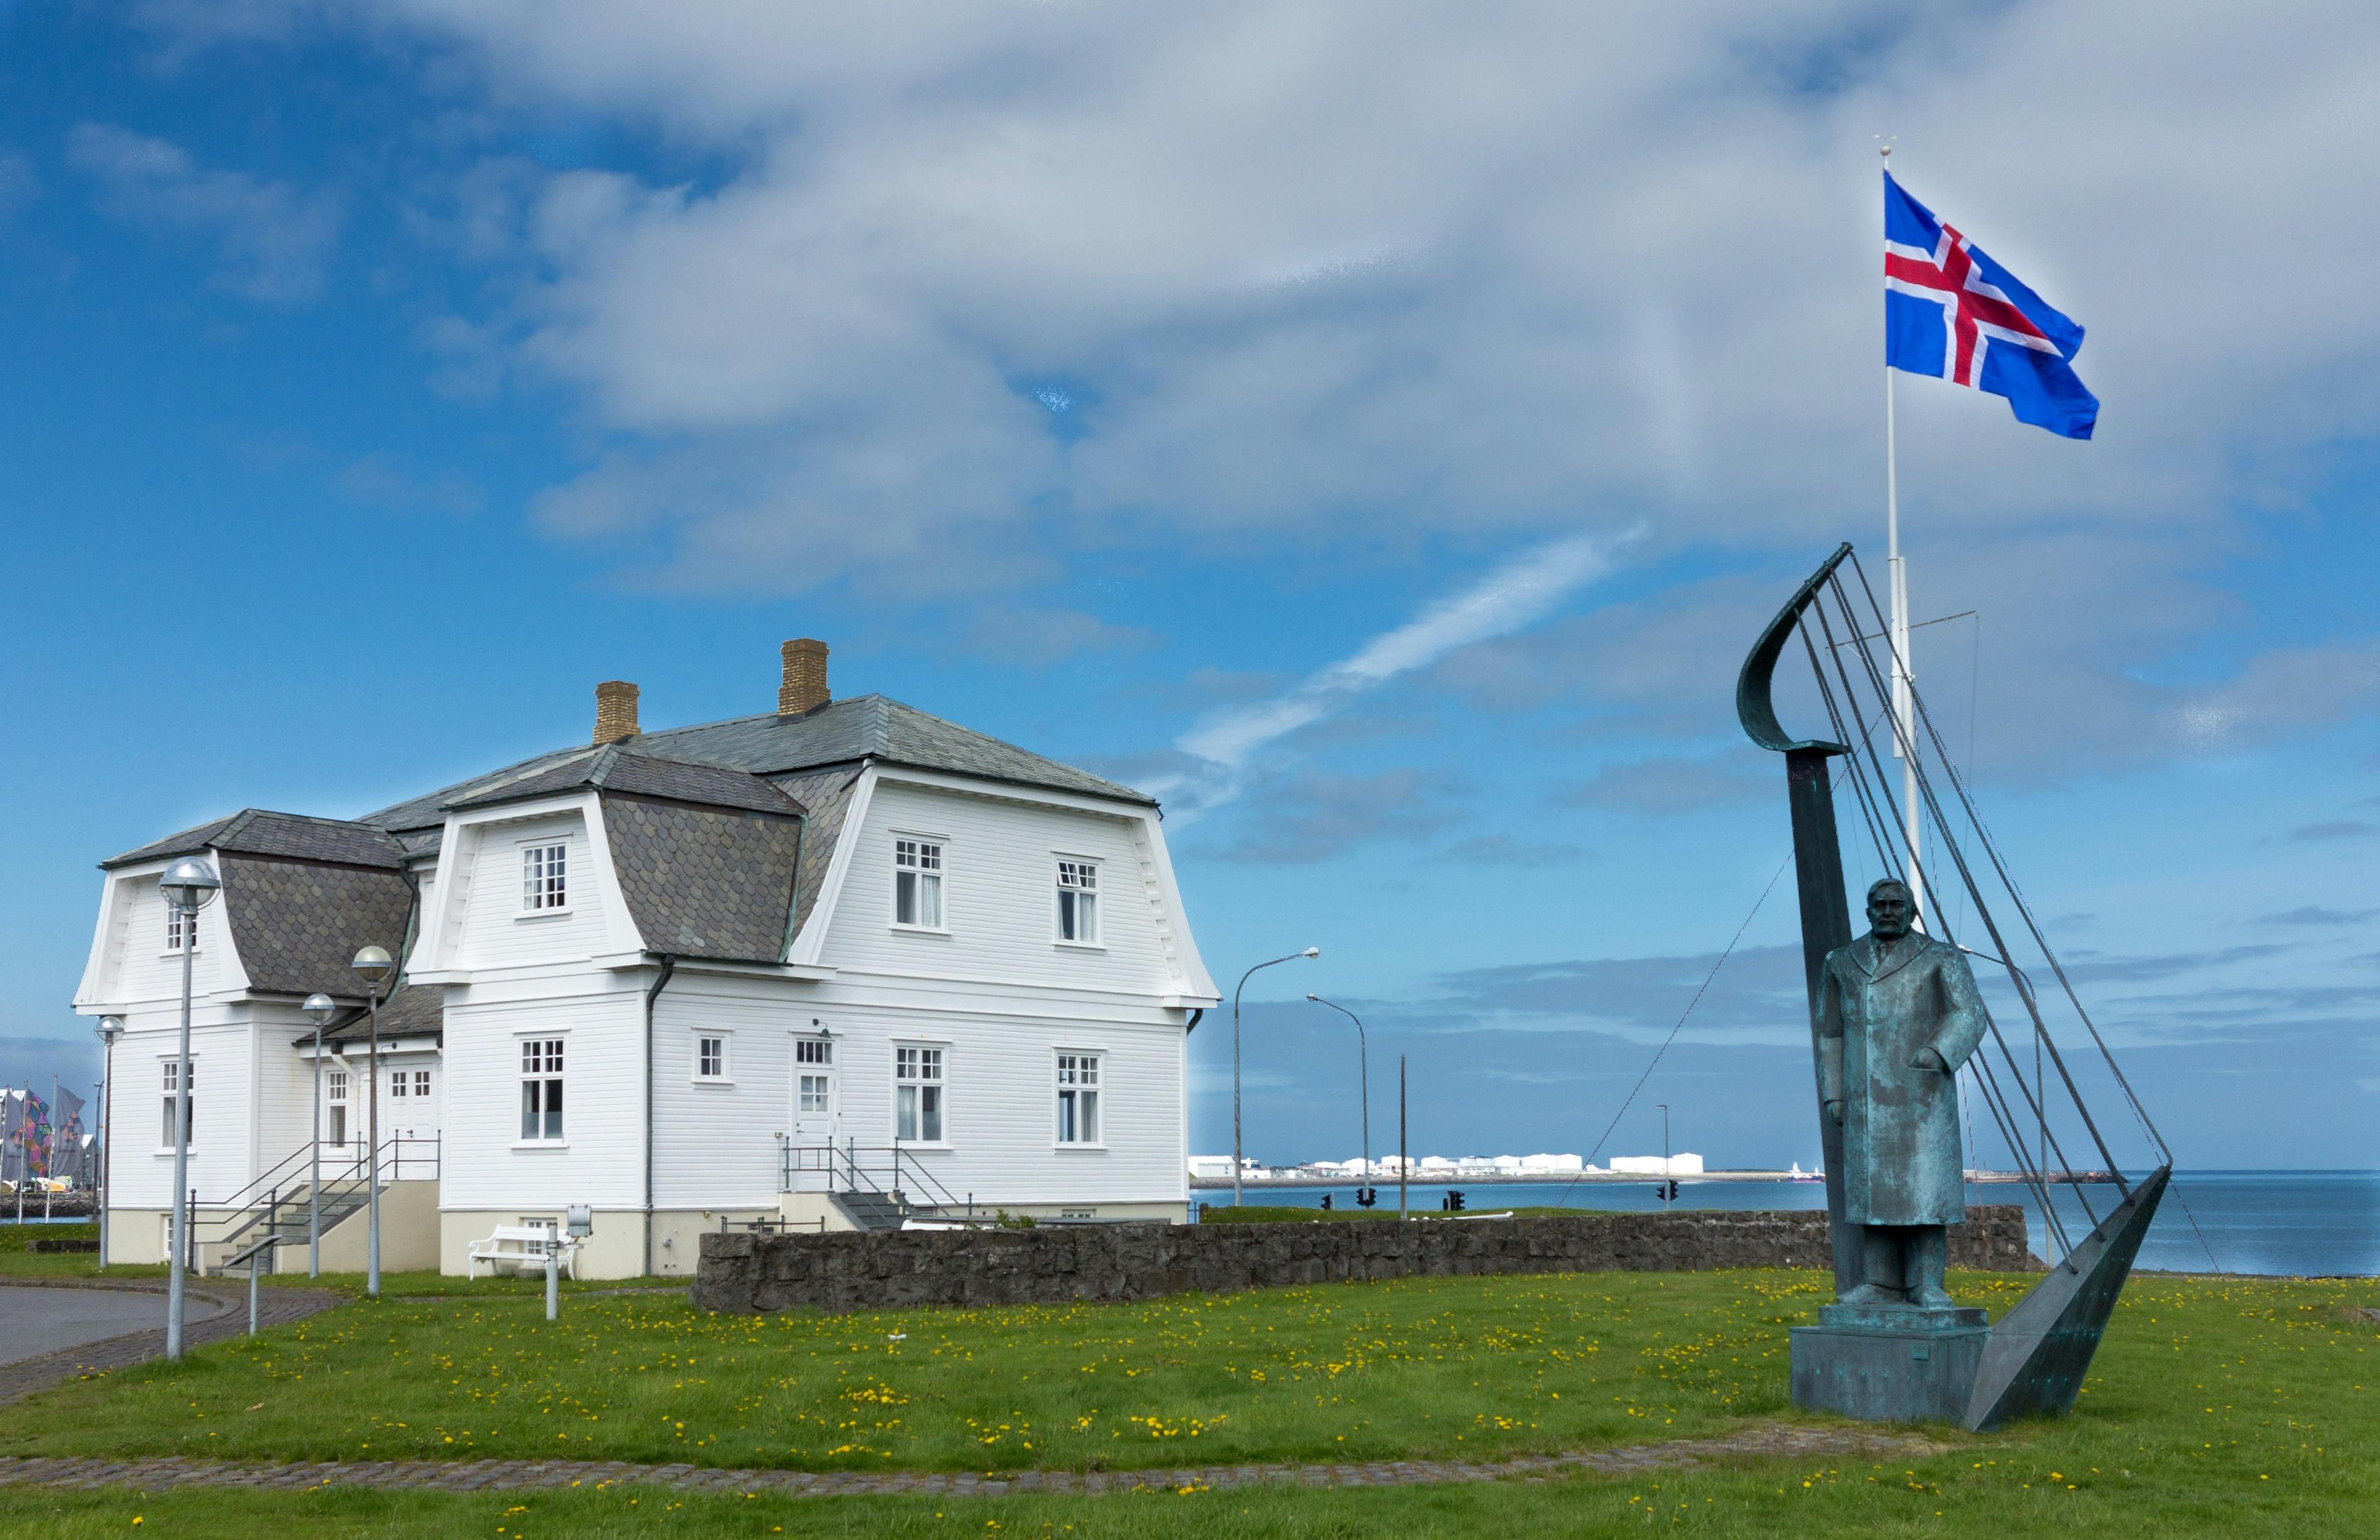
(821, 1068)
(169, 1070)
(1066, 1072)
(179, 923)
(939, 1082)
(540, 849)
(400, 1085)
(334, 1096)
(420, 1084)
(725, 1073)
(926, 857)
(1067, 875)
(553, 1047)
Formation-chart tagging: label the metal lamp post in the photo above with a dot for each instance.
(1665, 1154)
(374, 967)
(319, 1009)
(1236, 1160)
(190, 885)
(1364, 1076)
(110, 1028)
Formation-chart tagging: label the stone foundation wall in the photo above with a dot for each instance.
(1061, 1264)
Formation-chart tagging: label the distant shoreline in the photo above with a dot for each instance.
(1545, 1178)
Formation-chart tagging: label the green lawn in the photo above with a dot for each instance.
(2217, 1407)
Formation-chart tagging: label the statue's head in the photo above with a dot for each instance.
(1891, 909)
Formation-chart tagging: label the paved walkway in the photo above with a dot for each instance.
(212, 1310)
(1775, 1440)
(36, 1320)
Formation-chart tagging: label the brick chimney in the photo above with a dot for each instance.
(803, 688)
(615, 711)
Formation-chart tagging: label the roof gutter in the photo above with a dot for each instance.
(669, 967)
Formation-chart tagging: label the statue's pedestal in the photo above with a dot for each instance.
(1889, 1363)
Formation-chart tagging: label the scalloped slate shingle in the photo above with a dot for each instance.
(704, 883)
(298, 923)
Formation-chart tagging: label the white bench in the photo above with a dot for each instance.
(522, 1248)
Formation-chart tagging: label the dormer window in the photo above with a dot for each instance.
(918, 882)
(545, 877)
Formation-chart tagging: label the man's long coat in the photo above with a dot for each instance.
(1878, 1004)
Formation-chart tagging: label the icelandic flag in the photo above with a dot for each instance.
(1952, 312)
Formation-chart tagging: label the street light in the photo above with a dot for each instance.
(1363, 1077)
(109, 1029)
(319, 1009)
(1236, 1163)
(190, 885)
(374, 967)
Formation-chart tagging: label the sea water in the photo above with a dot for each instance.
(2280, 1223)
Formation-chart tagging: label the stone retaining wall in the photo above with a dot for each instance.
(1060, 1264)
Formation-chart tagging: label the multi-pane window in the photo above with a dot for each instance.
(1078, 1098)
(422, 1083)
(542, 1088)
(918, 882)
(1079, 902)
(181, 928)
(917, 1094)
(545, 877)
(711, 1057)
(338, 1079)
(814, 1083)
(175, 1091)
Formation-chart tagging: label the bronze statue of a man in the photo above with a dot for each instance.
(1897, 1014)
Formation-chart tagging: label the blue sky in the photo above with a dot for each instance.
(1380, 431)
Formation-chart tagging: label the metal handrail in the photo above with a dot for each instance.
(842, 1163)
(235, 1217)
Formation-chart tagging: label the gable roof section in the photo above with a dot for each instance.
(840, 732)
(414, 1011)
(294, 836)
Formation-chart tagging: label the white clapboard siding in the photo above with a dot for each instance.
(497, 930)
(486, 1165)
(222, 1130)
(1000, 899)
(144, 970)
(715, 1145)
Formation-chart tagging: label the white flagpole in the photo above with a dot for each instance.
(1904, 730)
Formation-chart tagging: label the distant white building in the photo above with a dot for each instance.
(1684, 1163)
(1552, 1165)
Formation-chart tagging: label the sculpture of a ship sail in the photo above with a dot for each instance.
(1893, 1346)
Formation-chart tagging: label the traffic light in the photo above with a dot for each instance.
(1325, 1200)
(1366, 1196)
(1454, 1199)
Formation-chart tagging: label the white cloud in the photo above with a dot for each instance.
(274, 240)
(1517, 594)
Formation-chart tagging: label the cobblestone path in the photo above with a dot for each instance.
(1777, 1440)
(276, 1306)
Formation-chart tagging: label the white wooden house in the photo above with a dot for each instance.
(824, 965)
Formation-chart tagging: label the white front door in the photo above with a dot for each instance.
(815, 1107)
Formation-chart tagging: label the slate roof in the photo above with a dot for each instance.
(614, 768)
(704, 882)
(297, 924)
(415, 1010)
(827, 795)
(253, 832)
(840, 732)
